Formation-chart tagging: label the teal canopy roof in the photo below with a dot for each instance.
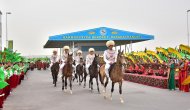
(96, 35)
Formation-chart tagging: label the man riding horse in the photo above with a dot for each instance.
(64, 56)
(78, 58)
(89, 59)
(54, 58)
(54, 66)
(110, 56)
(114, 68)
(79, 67)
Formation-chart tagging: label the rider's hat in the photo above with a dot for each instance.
(66, 48)
(91, 50)
(79, 51)
(110, 42)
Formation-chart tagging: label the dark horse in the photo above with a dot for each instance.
(94, 72)
(80, 70)
(115, 73)
(55, 71)
(67, 73)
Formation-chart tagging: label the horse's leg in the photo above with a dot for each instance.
(97, 85)
(52, 77)
(91, 84)
(55, 80)
(63, 82)
(112, 89)
(106, 83)
(120, 92)
(79, 80)
(70, 79)
(84, 80)
(76, 75)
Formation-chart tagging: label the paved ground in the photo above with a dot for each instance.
(38, 93)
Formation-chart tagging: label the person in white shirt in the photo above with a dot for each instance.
(89, 59)
(54, 58)
(78, 57)
(110, 56)
(64, 56)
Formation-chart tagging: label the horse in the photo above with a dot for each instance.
(67, 72)
(80, 70)
(55, 71)
(115, 74)
(94, 72)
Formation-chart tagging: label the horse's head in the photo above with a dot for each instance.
(74, 62)
(70, 58)
(81, 60)
(96, 59)
(121, 58)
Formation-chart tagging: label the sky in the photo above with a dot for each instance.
(33, 21)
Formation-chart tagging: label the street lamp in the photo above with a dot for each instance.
(188, 26)
(7, 30)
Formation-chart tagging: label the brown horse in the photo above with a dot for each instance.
(94, 72)
(67, 73)
(55, 71)
(115, 73)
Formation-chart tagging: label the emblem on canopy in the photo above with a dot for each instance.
(103, 32)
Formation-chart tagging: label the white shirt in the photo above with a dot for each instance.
(110, 56)
(54, 58)
(64, 57)
(77, 59)
(89, 59)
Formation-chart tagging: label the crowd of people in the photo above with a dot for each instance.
(13, 67)
(176, 70)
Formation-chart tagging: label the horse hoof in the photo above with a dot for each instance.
(105, 97)
(71, 92)
(122, 101)
(110, 98)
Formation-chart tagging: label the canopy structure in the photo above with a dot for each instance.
(96, 37)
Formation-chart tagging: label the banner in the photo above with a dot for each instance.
(10, 44)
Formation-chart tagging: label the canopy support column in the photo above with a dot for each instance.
(125, 48)
(131, 45)
(60, 52)
(73, 49)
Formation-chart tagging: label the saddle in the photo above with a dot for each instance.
(111, 68)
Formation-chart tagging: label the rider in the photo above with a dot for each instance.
(54, 58)
(110, 56)
(64, 56)
(78, 57)
(89, 59)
